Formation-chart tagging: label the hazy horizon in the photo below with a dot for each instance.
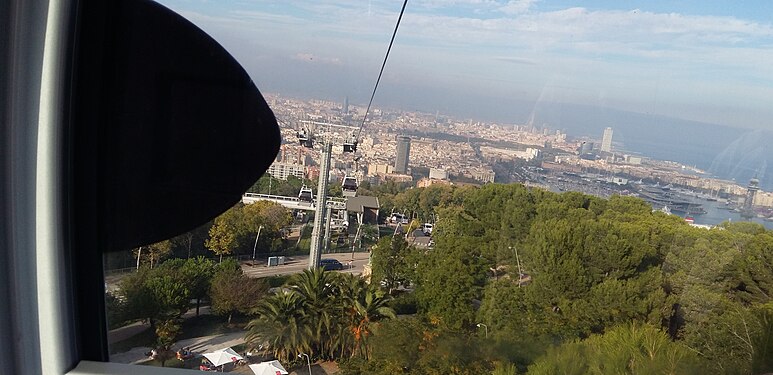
(685, 81)
(705, 61)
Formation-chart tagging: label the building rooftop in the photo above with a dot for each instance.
(360, 203)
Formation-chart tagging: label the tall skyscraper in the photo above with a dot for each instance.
(748, 202)
(403, 151)
(606, 142)
(345, 109)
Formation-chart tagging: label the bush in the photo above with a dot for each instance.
(404, 304)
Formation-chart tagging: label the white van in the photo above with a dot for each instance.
(398, 218)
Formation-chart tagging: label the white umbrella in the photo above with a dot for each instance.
(223, 356)
(268, 368)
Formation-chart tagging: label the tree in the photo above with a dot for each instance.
(114, 310)
(397, 345)
(450, 279)
(762, 360)
(503, 309)
(153, 254)
(233, 292)
(198, 273)
(589, 272)
(316, 290)
(393, 263)
(169, 294)
(625, 349)
(167, 332)
(271, 216)
(366, 307)
(190, 244)
(154, 295)
(334, 190)
(222, 237)
(412, 346)
(282, 327)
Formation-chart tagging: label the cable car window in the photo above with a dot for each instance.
(509, 186)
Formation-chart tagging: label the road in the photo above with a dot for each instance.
(293, 264)
(299, 263)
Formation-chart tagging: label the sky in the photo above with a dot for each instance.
(708, 61)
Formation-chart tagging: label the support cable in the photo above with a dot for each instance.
(383, 64)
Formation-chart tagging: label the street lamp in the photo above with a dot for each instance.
(308, 362)
(255, 247)
(485, 327)
(518, 261)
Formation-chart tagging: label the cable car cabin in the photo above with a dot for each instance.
(349, 187)
(306, 195)
(350, 146)
(305, 139)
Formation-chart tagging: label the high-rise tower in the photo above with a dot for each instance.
(748, 202)
(345, 109)
(606, 141)
(403, 151)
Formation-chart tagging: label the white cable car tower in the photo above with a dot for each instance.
(321, 222)
(306, 138)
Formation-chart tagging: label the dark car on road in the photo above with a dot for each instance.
(331, 264)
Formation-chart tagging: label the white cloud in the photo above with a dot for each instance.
(517, 6)
(625, 52)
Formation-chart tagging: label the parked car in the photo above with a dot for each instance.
(398, 218)
(331, 264)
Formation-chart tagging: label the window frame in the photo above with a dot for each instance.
(53, 321)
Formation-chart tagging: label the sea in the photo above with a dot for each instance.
(717, 212)
(729, 153)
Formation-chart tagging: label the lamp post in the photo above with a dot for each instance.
(254, 247)
(485, 327)
(518, 261)
(308, 361)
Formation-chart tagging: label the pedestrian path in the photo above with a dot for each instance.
(199, 345)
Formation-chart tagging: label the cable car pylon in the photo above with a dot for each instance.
(315, 252)
(306, 138)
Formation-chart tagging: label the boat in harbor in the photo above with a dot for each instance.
(659, 196)
(689, 210)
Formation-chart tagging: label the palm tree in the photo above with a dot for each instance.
(361, 306)
(316, 289)
(370, 305)
(282, 326)
(348, 286)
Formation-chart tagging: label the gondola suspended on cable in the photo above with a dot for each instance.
(349, 186)
(350, 145)
(305, 138)
(305, 195)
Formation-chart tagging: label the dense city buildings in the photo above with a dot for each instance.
(442, 148)
(281, 171)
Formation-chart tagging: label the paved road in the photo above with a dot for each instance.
(294, 264)
(297, 264)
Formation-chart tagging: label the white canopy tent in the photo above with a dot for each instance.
(268, 368)
(223, 356)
